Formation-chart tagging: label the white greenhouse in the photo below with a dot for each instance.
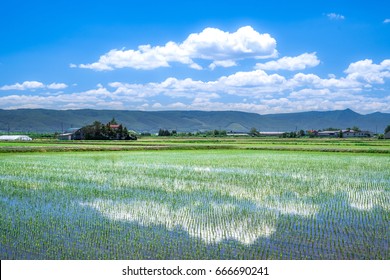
(15, 138)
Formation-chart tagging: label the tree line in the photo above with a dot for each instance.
(166, 132)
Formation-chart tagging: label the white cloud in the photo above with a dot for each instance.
(261, 92)
(143, 58)
(386, 20)
(222, 63)
(57, 86)
(369, 72)
(136, 91)
(203, 98)
(253, 78)
(223, 48)
(334, 16)
(157, 105)
(309, 93)
(255, 84)
(314, 81)
(300, 62)
(33, 85)
(23, 86)
(179, 106)
(99, 98)
(215, 44)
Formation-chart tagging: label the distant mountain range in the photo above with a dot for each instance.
(43, 120)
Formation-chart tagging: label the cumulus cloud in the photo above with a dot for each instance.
(203, 98)
(259, 84)
(23, 86)
(57, 86)
(262, 92)
(369, 72)
(386, 20)
(252, 79)
(313, 81)
(99, 98)
(222, 48)
(33, 85)
(222, 63)
(300, 62)
(215, 44)
(334, 16)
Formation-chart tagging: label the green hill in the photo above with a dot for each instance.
(43, 120)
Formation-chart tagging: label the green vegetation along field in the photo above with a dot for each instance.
(204, 143)
(195, 204)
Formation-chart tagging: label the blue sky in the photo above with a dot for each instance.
(255, 56)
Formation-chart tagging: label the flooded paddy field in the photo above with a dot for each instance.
(194, 204)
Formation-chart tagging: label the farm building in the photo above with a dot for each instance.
(353, 133)
(345, 133)
(327, 133)
(387, 135)
(15, 138)
(237, 133)
(71, 134)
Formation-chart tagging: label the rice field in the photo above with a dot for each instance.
(194, 204)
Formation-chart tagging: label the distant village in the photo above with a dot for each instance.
(345, 133)
(116, 131)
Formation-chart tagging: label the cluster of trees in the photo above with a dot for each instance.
(382, 136)
(109, 131)
(212, 133)
(293, 134)
(254, 132)
(166, 132)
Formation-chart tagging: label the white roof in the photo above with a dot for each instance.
(15, 138)
(271, 132)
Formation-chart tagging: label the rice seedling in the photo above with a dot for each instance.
(222, 204)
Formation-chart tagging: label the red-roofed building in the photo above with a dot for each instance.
(114, 126)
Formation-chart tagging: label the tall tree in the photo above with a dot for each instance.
(113, 121)
(254, 132)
